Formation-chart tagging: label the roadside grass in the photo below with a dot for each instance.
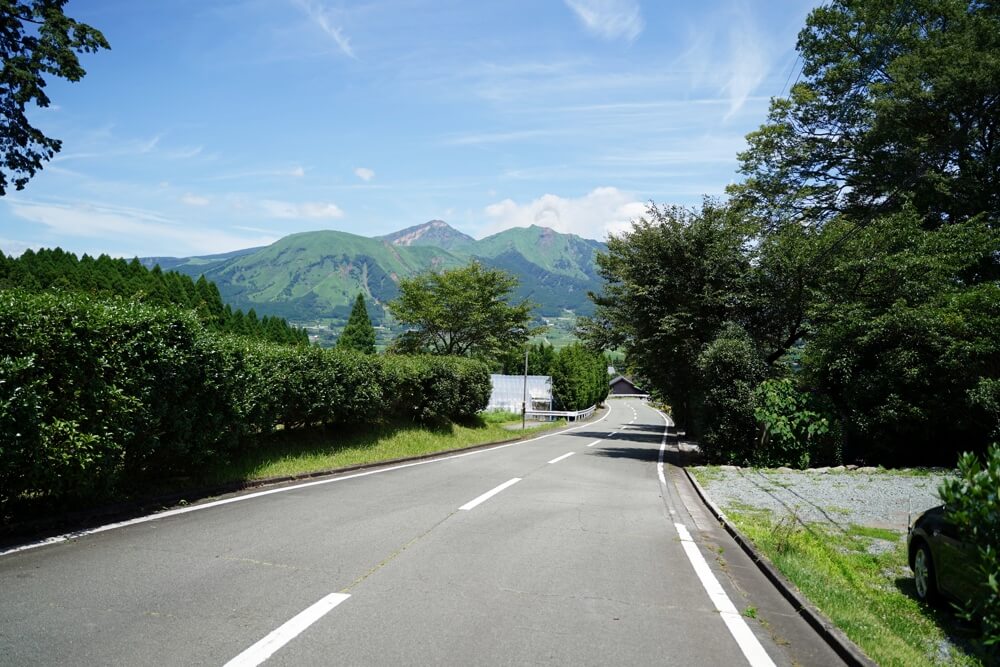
(300, 452)
(297, 453)
(867, 592)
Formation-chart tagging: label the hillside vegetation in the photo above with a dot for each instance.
(315, 276)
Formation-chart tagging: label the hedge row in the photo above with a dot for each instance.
(97, 397)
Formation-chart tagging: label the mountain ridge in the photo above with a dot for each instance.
(315, 276)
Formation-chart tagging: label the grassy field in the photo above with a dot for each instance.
(298, 453)
(860, 579)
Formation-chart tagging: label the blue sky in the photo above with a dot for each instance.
(214, 125)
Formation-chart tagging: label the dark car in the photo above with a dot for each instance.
(942, 564)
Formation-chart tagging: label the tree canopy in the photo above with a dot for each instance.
(897, 103)
(463, 311)
(858, 259)
(358, 334)
(36, 40)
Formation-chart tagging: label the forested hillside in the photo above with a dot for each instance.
(315, 276)
(104, 276)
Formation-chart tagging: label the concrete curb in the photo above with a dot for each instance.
(834, 636)
(16, 534)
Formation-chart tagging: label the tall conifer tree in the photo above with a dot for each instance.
(359, 334)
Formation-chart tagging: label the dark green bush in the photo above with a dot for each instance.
(99, 398)
(93, 393)
(430, 388)
(730, 368)
(973, 503)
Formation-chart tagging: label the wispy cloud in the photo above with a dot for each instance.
(735, 60)
(364, 173)
(609, 19)
(297, 210)
(184, 153)
(144, 231)
(195, 200)
(602, 211)
(499, 137)
(324, 20)
(15, 248)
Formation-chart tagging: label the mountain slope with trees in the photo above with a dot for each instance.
(316, 275)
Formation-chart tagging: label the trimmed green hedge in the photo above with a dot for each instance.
(101, 397)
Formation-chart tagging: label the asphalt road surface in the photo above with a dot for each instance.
(577, 547)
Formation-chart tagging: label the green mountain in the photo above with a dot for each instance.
(317, 275)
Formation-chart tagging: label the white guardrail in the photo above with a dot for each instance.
(570, 416)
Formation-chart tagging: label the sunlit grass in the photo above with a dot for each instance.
(299, 453)
(867, 592)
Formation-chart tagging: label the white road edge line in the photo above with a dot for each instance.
(250, 496)
(288, 631)
(489, 494)
(564, 456)
(738, 628)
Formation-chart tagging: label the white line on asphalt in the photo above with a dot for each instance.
(489, 494)
(738, 628)
(258, 494)
(564, 456)
(594, 443)
(267, 646)
(741, 632)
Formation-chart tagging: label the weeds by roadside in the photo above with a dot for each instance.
(860, 579)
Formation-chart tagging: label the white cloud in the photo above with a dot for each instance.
(609, 19)
(735, 59)
(595, 215)
(499, 137)
(147, 232)
(293, 210)
(185, 152)
(195, 200)
(297, 172)
(323, 19)
(364, 173)
(15, 248)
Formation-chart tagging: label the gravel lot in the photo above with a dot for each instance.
(865, 497)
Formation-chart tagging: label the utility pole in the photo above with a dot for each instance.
(524, 398)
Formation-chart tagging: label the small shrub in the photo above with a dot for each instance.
(973, 503)
(793, 431)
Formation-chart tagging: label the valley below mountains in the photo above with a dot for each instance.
(313, 278)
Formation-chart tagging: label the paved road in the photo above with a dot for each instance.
(587, 552)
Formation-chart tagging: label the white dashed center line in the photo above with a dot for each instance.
(489, 494)
(267, 646)
(564, 456)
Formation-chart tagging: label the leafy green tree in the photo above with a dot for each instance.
(671, 282)
(579, 378)
(730, 369)
(36, 39)
(897, 103)
(464, 311)
(358, 334)
(903, 337)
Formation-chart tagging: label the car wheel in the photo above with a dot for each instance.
(923, 574)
